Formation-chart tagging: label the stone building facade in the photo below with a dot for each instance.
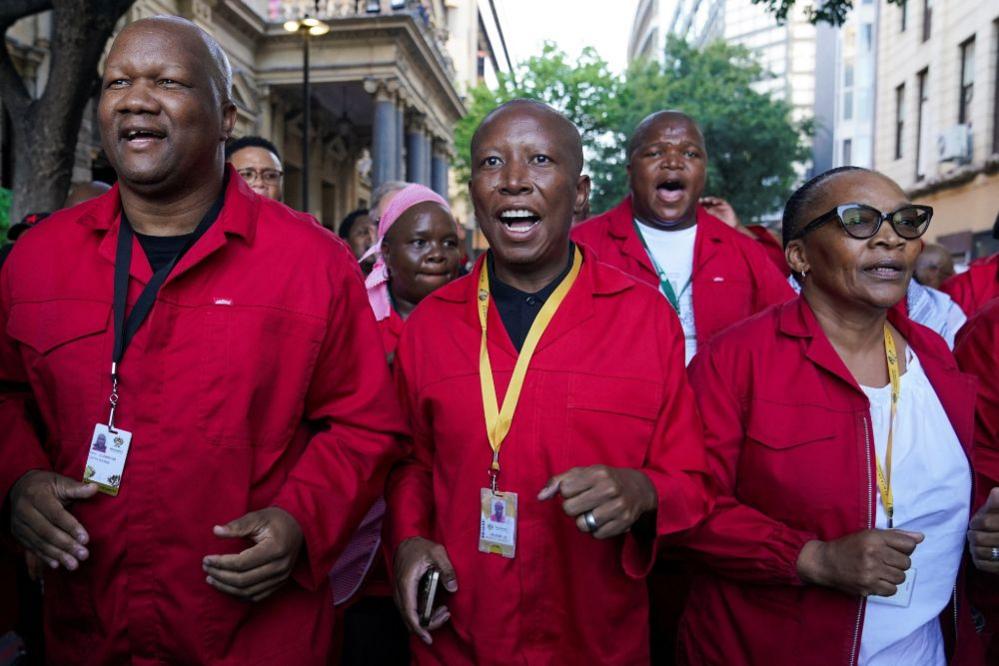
(385, 88)
(937, 114)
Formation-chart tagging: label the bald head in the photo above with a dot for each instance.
(562, 129)
(203, 46)
(934, 265)
(654, 122)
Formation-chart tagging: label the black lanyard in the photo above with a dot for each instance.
(125, 328)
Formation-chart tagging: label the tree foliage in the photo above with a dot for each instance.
(753, 145)
(582, 90)
(45, 128)
(833, 12)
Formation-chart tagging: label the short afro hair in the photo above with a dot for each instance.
(235, 145)
(803, 197)
(343, 231)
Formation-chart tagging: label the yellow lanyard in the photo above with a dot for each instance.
(498, 420)
(884, 479)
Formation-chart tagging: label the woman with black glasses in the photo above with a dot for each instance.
(838, 435)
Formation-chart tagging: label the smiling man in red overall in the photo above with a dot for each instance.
(586, 433)
(712, 275)
(203, 355)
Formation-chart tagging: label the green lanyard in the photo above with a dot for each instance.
(664, 283)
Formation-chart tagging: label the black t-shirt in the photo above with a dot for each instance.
(160, 250)
(518, 309)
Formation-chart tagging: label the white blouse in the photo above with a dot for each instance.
(931, 485)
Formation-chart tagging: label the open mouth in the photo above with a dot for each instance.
(519, 221)
(671, 190)
(887, 269)
(142, 135)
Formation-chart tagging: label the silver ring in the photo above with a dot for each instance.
(592, 526)
(994, 555)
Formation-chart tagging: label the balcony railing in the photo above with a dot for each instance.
(279, 11)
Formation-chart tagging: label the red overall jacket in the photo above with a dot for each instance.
(976, 286)
(606, 386)
(977, 352)
(789, 441)
(733, 277)
(254, 382)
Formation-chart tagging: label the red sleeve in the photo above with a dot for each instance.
(771, 284)
(977, 352)
(769, 243)
(21, 448)
(736, 540)
(959, 289)
(350, 398)
(675, 462)
(409, 494)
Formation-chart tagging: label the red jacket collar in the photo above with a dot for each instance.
(711, 234)
(955, 389)
(597, 278)
(621, 221)
(238, 216)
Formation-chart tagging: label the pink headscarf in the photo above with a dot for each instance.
(377, 281)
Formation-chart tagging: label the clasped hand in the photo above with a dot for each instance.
(616, 496)
(871, 562)
(984, 534)
(258, 571)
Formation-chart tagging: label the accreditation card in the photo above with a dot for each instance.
(106, 460)
(903, 594)
(498, 523)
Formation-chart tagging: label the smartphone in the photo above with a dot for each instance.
(427, 593)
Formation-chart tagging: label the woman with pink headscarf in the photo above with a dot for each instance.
(417, 252)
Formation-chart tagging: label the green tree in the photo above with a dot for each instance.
(818, 11)
(752, 142)
(582, 90)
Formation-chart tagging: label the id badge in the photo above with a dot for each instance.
(106, 460)
(903, 594)
(498, 523)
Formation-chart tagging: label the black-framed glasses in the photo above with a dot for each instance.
(269, 176)
(862, 222)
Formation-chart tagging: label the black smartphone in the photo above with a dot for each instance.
(427, 593)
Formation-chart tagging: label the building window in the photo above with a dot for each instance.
(847, 152)
(927, 18)
(899, 119)
(967, 89)
(848, 91)
(903, 13)
(868, 32)
(921, 121)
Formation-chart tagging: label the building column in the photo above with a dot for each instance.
(265, 118)
(400, 137)
(416, 151)
(384, 136)
(427, 156)
(439, 169)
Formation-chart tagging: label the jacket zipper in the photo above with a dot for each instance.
(955, 611)
(870, 525)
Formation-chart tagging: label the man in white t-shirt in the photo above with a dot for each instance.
(713, 275)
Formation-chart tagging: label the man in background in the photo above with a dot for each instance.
(257, 160)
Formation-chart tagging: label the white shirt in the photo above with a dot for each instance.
(672, 252)
(931, 485)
